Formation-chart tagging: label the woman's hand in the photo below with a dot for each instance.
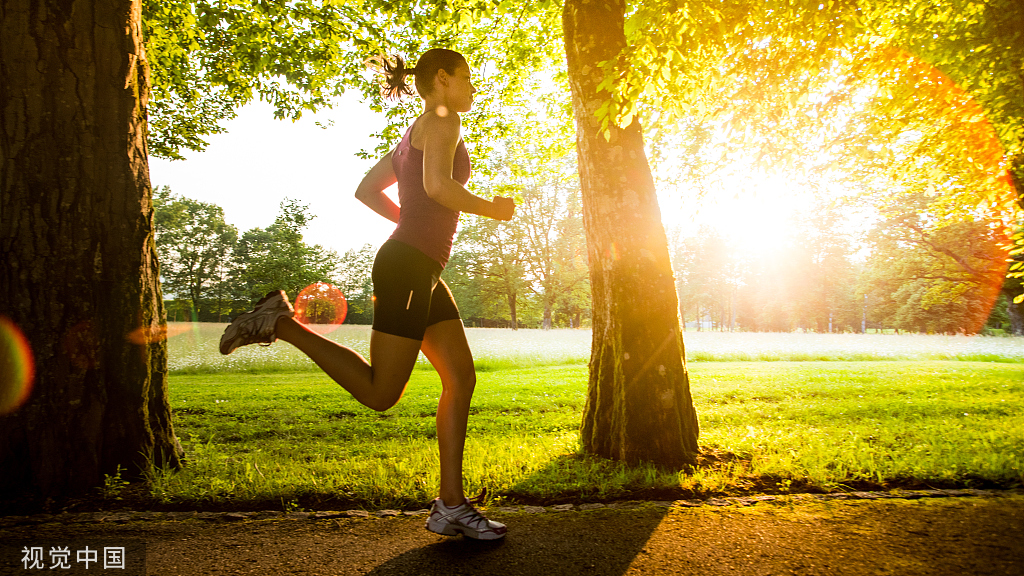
(504, 208)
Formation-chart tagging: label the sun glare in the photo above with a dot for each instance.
(750, 214)
(756, 208)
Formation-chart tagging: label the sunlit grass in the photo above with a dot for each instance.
(194, 348)
(297, 440)
(270, 437)
(934, 421)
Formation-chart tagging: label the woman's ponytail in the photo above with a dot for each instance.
(394, 76)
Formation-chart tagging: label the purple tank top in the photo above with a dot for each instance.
(423, 223)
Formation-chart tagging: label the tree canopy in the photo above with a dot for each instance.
(210, 57)
(870, 84)
(758, 65)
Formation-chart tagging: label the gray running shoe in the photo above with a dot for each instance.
(464, 519)
(257, 325)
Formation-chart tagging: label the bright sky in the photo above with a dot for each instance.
(260, 161)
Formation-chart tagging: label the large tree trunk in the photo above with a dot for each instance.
(638, 407)
(79, 273)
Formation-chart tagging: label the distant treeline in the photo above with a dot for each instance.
(532, 272)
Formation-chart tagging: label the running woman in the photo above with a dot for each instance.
(413, 309)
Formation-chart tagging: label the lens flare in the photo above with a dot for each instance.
(148, 335)
(17, 367)
(612, 253)
(321, 306)
(985, 163)
(985, 159)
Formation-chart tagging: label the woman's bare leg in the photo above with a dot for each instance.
(377, 384)
(446, 347)
(381, 385)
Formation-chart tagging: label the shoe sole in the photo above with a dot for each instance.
(232, 330)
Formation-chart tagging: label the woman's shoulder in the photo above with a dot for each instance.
(440, 118)
(433, 125)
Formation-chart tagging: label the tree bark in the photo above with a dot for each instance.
(76, 230)
(639, 407)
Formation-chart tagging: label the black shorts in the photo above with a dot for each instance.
(408, 293)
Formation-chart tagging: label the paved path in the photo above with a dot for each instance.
(928, 536)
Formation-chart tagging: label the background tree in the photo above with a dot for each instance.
(572, 303)
(808, 282)
(493, 256)
(540, 211)
(76, 230)
(1013, 289)
(194, 244)
(683, 249)
(715, 278)
(769, 292)
(704, 267)
(944, 280)
(823, 272)
(276, 258)
(538, 167)
(353, 276)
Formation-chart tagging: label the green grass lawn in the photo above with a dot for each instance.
(297, 440)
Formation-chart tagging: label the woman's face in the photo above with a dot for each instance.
(460, 89)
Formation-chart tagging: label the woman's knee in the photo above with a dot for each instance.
(461, 384)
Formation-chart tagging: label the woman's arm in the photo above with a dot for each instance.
(371, 189)
(440, 142)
